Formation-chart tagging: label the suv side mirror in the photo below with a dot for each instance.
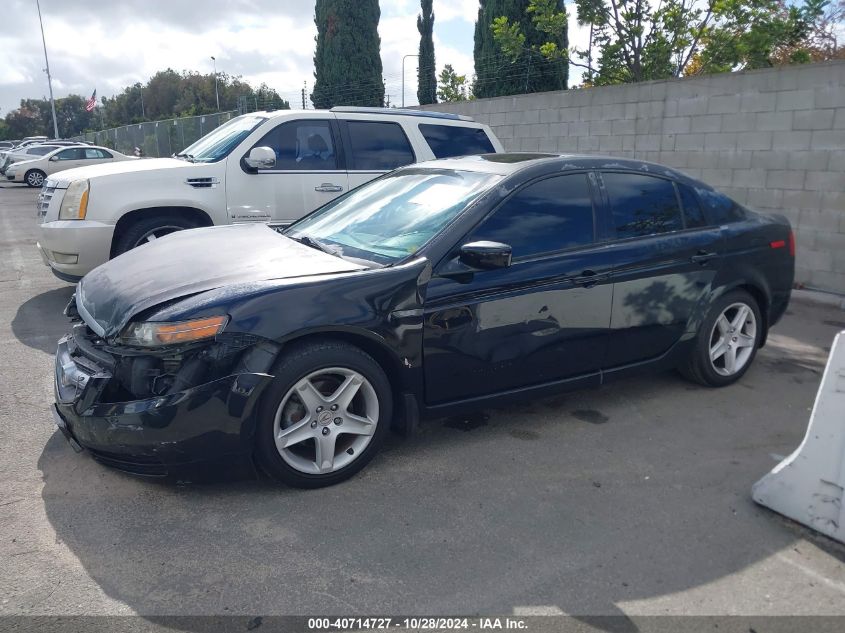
(486, 255)
(54, 158)
(260, 158)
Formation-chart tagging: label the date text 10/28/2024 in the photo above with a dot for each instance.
(415, 623)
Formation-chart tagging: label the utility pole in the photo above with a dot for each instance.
(141, 92)
(304, 86)
(47, 70)
(403, 76)
(216, 93)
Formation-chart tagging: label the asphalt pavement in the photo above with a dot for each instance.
(632, 499)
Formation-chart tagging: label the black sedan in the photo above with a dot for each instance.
(439, 287)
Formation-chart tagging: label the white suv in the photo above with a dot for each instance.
(262, 167)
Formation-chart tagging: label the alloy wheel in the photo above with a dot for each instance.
(153, 234)
(326, 420)
(732, 339)
(35, 179)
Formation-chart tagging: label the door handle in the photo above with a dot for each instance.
(328, 187)
(589, 278)
(702, 257)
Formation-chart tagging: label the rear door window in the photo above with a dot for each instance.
(642, 205)
(378, 146)
(452, 140)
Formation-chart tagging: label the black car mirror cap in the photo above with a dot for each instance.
(486, 255)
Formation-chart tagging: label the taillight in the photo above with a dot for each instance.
(791, 243)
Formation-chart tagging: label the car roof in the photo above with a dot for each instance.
(509, 163)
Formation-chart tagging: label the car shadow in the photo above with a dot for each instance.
(39, 321)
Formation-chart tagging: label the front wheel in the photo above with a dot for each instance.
(324, 416)
(726, 342)
(148, 230)
(35, 177)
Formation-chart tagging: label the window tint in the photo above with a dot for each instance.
(378, 146)
(693, 214)
(545, 217)
(73, 153)
(451, 140)
(642, 205)
(305, 145)
(719, 208)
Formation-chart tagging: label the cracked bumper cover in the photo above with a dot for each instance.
(212, 422)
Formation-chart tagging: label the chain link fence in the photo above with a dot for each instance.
(157, 138)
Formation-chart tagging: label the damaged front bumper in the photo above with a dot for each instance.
(211, 423)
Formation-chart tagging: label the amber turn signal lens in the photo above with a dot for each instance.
(168, 334)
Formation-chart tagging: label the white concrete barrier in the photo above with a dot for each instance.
(808, 485)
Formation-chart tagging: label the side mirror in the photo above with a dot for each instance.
(260, 158)
(486, 255)
(53, 159)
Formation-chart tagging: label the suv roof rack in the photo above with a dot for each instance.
(401, 112)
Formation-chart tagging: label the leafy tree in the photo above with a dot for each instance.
(536, 40)
(452, 86)
(347, 62)
(633, 40)
(751, 34)
(426, 71)
(167, 94)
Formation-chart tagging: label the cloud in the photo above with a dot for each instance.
(110, 45)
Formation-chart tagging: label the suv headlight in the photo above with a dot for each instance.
(153, 334)
(75, 203)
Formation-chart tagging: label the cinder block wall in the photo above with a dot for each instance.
(772, 139)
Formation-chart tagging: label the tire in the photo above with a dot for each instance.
(148, 229)
(719, 341)
(311, 426)
(34, 178)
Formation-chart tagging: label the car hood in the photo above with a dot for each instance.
(190, 262)
(16, 165)
(123, 166)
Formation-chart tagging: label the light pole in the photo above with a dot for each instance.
(216, 93)
(47, 70)
(403, 76)
(141, 92)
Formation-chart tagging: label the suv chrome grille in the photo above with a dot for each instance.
(42, 203)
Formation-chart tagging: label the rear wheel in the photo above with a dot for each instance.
(35, 177)
(325, 415)
(727, 341)
(150, 229)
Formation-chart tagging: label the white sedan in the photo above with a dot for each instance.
(33, 172)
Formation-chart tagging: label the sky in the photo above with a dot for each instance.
(111, 44)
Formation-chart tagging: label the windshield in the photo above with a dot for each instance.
(218, 143)
(391, 218)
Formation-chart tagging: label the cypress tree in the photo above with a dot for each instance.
(495, 74)
(347, 61)
(426, 76)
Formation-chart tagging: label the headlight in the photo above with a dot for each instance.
(152, 334)
(75, 203)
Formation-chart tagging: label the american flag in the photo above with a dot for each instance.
(92, 102)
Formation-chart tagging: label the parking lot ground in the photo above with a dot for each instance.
(632, 499)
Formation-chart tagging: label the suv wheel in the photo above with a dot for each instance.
(150, 229)
(35, 177)
(324, 416)
(727, 341)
